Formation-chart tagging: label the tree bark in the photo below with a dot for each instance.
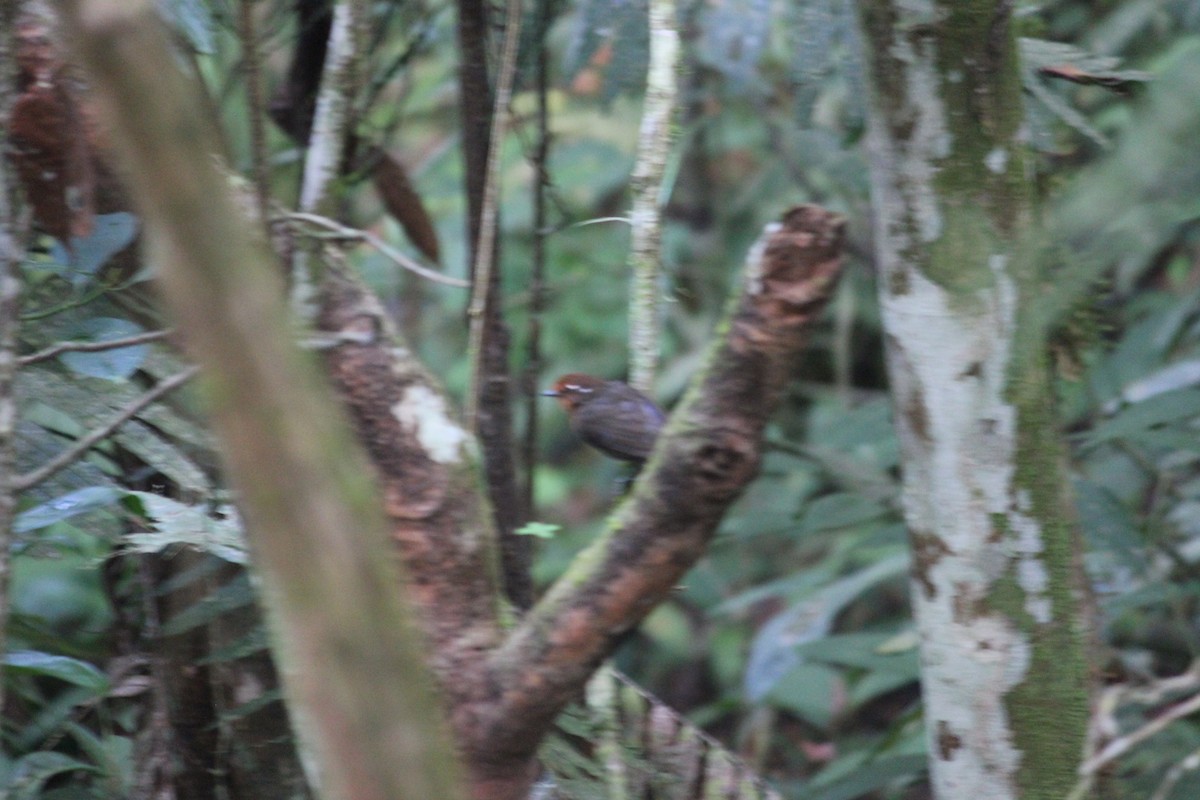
(493, 423)
(311, 501)
(311, 507)
(997, 586)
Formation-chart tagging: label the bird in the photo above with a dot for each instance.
(611, 416)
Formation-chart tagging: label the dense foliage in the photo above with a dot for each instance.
(792, 642)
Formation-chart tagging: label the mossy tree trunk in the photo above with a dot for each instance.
(997, 586)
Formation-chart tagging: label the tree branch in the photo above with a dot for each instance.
(485, 250)
(252, 69)
(92, 347)
(391, 253)
(338, 82)
(709, 452)
(654, 146)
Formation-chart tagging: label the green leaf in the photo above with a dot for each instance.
(77, 502)
(542, 530)
(623, 25)
(31, 772)
(1176, 406)
(875, 684)
(249, 707)
(253, 642)
(840, 510)
(115, 364)
(178, 523)
(110, 234)
(193, 20)
(776, 647)
(71, 670)
(238, 593)
(112, 756)
(733, 36)
(812, 692)
(872, 775)
(862, 650)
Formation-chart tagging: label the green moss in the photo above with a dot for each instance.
(982, 181)
(1048, 710)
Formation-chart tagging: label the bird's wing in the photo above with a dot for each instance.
(627, 432)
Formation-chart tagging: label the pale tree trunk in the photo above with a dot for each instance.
(997, 587)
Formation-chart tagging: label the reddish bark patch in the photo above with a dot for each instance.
(947, 741)
(927, 550)
(50, 148)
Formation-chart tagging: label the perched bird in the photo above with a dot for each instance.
(611, 416)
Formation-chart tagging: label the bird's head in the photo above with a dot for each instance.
(575, 389)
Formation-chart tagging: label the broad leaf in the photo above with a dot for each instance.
(71, 670)
(111, 234)
(65, 507)
(113, 364)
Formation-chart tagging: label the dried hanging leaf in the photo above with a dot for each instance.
(404, 204)
(50, 148)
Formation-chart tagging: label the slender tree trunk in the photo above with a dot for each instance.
(997, 586)
(493, 423)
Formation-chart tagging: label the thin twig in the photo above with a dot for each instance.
(64, 459)
(485, 252)
(537, 288)
(389, 252)
(1189, 764)
(1118, 747)
(92, 347)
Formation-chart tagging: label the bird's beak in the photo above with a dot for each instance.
(549, 393)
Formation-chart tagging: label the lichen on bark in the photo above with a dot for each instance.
(997, 588)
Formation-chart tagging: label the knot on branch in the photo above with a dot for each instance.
(711, 469)
(799, 264)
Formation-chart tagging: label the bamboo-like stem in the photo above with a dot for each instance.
(654, 145)
(256, 110)
(485, 251)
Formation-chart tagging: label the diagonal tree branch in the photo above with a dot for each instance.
(92, 347)
(709, 452)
